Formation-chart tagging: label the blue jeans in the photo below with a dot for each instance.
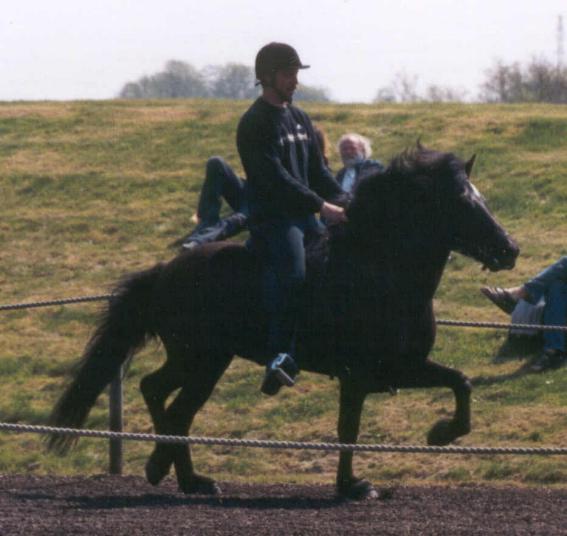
(220, 182)
(281, 245)
(551, 284)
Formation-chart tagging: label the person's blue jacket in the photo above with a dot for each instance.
(361, 169)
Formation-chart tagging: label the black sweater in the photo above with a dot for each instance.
(283, 164)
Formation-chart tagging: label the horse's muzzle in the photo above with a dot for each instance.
(502, 258)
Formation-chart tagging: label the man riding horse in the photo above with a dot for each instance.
(288, 184)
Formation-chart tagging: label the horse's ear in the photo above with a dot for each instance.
(418, 144)
(469, 165)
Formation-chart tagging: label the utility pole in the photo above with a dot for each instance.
(560, 42)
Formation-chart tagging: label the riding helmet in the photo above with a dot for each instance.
(275, 56)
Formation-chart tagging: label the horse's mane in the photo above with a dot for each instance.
(419, 160)
(414, 167)
(401, 201)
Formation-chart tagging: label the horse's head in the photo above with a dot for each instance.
(424, 202)
(473, 229)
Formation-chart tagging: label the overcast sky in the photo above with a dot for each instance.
(88, 49)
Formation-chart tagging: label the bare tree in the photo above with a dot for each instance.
(539, 81)
(435, 93)
(404, 88)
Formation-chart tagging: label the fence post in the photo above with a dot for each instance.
(115, 422)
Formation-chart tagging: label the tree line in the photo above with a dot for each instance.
(537, 81)
(230, 81)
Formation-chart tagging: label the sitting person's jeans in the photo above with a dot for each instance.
(220, 182)
(551, 283)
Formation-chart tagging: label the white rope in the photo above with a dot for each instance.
(459, 323)
(297, 445)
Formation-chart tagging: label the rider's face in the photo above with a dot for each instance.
(285, 83)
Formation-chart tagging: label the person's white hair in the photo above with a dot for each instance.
(358, 139)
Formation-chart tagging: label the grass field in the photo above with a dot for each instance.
(93, 190)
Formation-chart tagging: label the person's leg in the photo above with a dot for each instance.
(539, 285)
(281, 245)
(554, 314)
(233, 189)
(532, 291)
(286, 265)
(220, 230)
(220, 180)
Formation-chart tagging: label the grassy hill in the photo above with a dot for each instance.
(93, 190)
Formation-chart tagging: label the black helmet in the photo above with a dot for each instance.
(275, 56)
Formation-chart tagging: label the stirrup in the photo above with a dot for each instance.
(279, 372)
(277, 369)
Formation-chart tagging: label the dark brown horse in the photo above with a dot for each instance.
(367, 316)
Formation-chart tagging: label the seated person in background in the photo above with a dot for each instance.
(355, 151)
(551, 285)
(221, 182)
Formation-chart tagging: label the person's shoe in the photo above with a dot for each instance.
(548, 360)
(281, 371)
(190, 244)
(185, 239)
(501, 298)
(178, 242)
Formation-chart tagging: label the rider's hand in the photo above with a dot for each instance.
(332, 214)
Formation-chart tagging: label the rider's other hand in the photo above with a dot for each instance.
(332, 214)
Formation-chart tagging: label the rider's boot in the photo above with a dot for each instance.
(280, 371)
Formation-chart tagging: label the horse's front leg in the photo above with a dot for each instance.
(432, 374)
(351, 402)
(445, 431)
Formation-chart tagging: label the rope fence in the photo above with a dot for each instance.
(270, 444)
(440, 322)
(498, 325)
(49, 303)
(116, 435)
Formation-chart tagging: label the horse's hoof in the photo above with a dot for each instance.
(444, 432)
(156, 472)
(200, 485)
(358, 490)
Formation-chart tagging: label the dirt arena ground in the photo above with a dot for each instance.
(34, 505)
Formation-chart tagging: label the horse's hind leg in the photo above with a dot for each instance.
(433, 374)
(197, 388)
(156, 387)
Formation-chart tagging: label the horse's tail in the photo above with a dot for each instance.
(126, 324)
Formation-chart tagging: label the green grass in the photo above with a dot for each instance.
(94, 190)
